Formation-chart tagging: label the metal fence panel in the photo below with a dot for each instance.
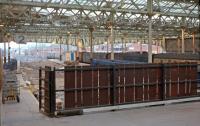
(87, 83)
(182, 81)
(130, 90)
(138, 85)
(70, 101)
(193, 76)
(102, 86)
(154, 86)
(104, 81)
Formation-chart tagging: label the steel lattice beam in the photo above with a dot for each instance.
(20, 16)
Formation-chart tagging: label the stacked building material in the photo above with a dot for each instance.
(128, 56)
(96, 62)
(175, 57)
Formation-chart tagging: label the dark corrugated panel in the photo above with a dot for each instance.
(185, 56)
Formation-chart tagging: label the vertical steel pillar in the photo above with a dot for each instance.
(8, 52)
(161, 51)
(107, 44)
(36, 48)
(178, 44)
(4, 52)
(163, 43)
(112, 43)
(20, 49)
(183, 41)
(123, 49)
(125, 45)
(150, 12)
(157, 45)
(77, 44)
(19, 60)
(60, 48)
(150, 41)
(91, 42)
(140, 46)
(68, 38)
(193, 43)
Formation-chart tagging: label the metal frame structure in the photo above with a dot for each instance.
(47, 20)
(107, 86)
(56, 17)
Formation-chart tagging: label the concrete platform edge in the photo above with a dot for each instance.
(139, 105)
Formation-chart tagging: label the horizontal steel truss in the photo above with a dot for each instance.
(83, 38)
(128, 17)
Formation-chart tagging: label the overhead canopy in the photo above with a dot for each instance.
(58, 17)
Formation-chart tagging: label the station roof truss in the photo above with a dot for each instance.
(129, 18)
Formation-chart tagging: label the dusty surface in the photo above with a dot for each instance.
(26, 113)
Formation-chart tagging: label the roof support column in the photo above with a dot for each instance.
(183, 40)
(9, 51)
(178, 45)
(112, 43)
(150, 41)
(140, 42)
(123, 49)
(157, 46)
(150, 12)
(107, 44)
(4, 51)
(68, 38)
(160, 43)
(91, 42)
(193, 43)
(77, 41)
(163, 43)
(19, 60)
(60, 38)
